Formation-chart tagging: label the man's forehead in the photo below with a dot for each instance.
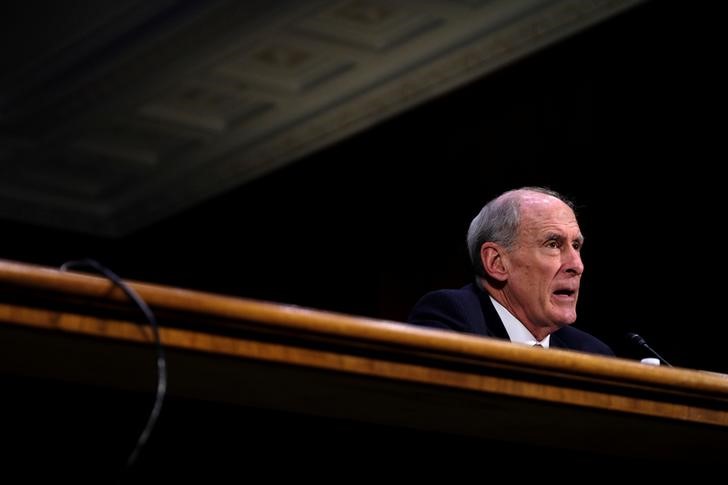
(547, 212)
(562, 225)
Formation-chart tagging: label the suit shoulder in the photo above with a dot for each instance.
(577, 339)
(448, 308)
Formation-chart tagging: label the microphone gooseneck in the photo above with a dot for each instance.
(637, 339)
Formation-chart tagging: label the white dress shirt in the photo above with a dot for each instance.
(517, 332)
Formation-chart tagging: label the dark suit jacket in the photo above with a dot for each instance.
(470, 310)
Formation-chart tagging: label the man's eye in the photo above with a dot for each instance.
(552, 244)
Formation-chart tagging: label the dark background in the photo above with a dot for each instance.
(626, 118)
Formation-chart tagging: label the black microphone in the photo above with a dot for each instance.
(641, 342)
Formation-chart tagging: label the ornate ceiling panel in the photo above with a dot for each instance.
(116, 115)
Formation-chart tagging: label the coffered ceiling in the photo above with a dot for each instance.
(114, 115)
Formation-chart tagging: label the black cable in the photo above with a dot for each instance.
(637, 339)
(161, 359)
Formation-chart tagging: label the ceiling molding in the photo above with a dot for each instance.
(173, 105)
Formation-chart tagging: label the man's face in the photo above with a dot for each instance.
(545, 267)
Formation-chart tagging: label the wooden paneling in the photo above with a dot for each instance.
(65, 327)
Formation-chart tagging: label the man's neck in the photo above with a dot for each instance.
(538, 332)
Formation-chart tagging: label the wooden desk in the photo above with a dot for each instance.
(352, 379)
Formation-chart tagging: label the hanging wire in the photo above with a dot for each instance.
(161, 359)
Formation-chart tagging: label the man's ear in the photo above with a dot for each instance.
(493, 256)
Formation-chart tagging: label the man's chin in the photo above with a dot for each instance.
(565, 320)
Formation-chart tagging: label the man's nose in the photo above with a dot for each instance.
(574, 263)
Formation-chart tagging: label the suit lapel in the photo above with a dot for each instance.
(493, 323)
(556, 341)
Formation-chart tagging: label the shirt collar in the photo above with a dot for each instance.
(517, 332)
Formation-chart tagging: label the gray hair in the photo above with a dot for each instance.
(498, 222)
